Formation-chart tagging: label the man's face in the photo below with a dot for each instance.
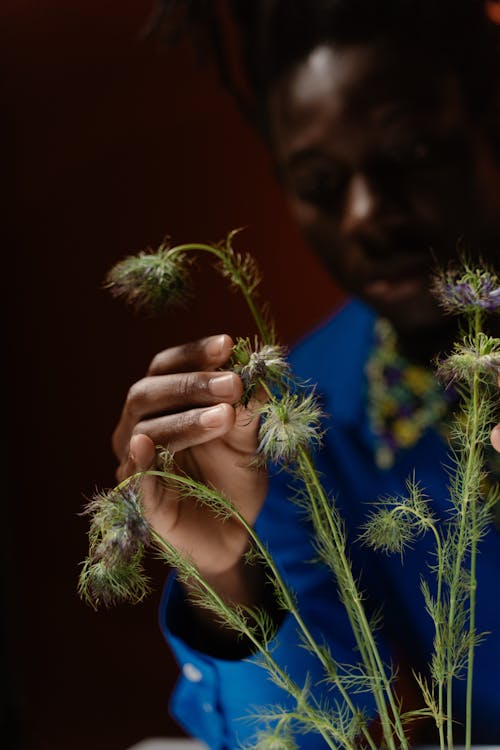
(385, 173)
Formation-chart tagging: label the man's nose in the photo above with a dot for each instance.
(369, 214)
(361, 202)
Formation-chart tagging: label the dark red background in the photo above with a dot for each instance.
(108, 146)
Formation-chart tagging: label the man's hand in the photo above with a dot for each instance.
(186, 405)
(495, 433)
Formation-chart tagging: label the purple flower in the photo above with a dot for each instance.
(467, 289)
(392, 374)
(405, 410)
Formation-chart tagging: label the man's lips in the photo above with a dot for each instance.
(395, 289)
(396, 282)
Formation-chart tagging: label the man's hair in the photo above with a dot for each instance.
(274, 35)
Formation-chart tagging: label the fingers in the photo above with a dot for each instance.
(141, 457)
(164, 404)
(495, 438)
(176, 432)
(142, 453)
(159, 512)
(179, 379)
(169, 393)
(204, 354)
(495, 433)
(189, 428)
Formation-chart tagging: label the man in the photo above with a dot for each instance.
(382, 125)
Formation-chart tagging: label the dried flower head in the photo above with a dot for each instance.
(281, 740)
(481, 356)
(107, 584)
(398, 521)
(272, 742)
(288, 425)
(388, 532)
(465, 289)
(260, 362)
(117, 536)
(152, 280)
(115, 513)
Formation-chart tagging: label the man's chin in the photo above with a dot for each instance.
(423, 329)
(407, 303)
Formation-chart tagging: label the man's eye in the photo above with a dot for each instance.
(319, 188)
(415, 154)
(421, 151)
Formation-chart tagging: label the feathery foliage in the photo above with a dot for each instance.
(290, 428)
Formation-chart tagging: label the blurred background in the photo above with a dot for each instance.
(109, 144)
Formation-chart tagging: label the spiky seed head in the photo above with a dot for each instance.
(259, 362)
(116, 545)
(462, 366)
(466, 289)
(152, 280)
(118, 534)
(288, 425)
(481, 356)
(103, 583)
(274, 741)
(386, 531)
(118, 510)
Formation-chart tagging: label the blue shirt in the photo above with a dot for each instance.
(217, 700)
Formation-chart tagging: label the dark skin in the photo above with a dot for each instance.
(385, 171)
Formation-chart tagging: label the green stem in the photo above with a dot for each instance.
(439, 638)
(359, 622)
(222, 608)
(287, 598)
(222, 255)
(212, 249)
(438, 624)
(468, 517)
(265, 335)
(472, 625)
(473, 555)
(195, 488)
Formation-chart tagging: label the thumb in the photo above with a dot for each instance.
(142, 456)
(495, 438)
(142, 453)
(495, 433)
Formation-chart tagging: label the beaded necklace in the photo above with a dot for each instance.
(404, 399)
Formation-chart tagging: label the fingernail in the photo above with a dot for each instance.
(214, 345)
(495, 438)
(222, 385)
(212, 417)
